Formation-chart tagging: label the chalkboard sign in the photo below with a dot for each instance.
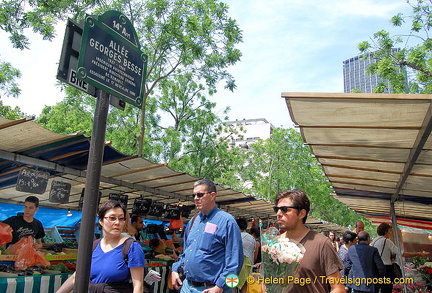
(60, 192)
(156, 209)
(123, 198)
(32, 181)
(141, 206)
(81, 201)
(186, 210)
(172, 212)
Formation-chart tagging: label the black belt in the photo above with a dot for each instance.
(201, 284)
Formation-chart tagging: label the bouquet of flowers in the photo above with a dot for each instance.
(426, 271)
(280, 259)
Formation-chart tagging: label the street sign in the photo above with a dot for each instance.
(110, 57)
(66, 71)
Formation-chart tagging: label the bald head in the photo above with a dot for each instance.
(363, 236)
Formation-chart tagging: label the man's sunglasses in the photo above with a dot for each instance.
(199, 194)
(284, 209)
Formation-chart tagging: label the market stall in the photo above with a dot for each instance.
(47, 283)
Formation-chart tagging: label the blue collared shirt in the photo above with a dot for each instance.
(212, 248)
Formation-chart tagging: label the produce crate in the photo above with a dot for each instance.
(71, 256)
(67, 233)
(7, 257)
(54, 234)
(70, 250)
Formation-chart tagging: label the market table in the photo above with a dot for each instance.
(47, 283)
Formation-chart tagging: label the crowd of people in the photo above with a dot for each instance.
(216, 246)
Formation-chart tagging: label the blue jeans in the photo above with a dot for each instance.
(188, 288)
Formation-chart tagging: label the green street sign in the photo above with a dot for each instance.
(110, 57)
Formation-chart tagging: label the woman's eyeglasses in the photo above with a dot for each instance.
(113, 219)
(199, 194)
(284, 209)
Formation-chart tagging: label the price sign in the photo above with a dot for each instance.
(123, 198)
(59, 192)
(33, 181)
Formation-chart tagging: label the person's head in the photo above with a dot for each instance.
(204, 192)
(255, 232)
(137, 222)
(363, 236)
(359, 226)
(296, 199)
(332, 236)
(349, 238)
(291, 209)
(31, 205)
(383, 229)
(157, 245)
(242, 223)
(112, 217)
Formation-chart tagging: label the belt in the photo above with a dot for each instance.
(201, 284)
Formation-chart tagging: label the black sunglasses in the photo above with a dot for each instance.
(199, 194)
(284, 209)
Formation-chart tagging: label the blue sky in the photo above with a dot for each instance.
(288, 46)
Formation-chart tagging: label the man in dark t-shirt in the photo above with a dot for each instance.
(26, 225)
(320, 266)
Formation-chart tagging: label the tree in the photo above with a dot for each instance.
(282, 162)
(10, 113)
(183, 37)
(8, 76)
(416, 58)
(40, 16)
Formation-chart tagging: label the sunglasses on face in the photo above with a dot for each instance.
(199, 194)
(284, 209)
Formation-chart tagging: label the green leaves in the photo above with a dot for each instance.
(8, 76)
(414, 58)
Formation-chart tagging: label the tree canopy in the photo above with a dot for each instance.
(409, 53)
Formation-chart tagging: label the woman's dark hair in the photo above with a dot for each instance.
(255, 231)
(242, 223)
(155, 242)
(383, 229)
(348, 236)
(108, 205)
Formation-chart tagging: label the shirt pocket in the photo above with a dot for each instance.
(207, 241)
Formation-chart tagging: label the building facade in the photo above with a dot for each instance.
(357, 79)
(250, 131)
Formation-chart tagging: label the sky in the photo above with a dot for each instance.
(288, 46)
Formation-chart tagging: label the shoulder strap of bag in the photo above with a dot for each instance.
(95, 243)
(125, 249)
(193, 221)
(383, 247)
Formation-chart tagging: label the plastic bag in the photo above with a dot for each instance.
(26, 254)
(176, 224)
(5, 234)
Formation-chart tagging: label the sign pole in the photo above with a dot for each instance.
(90, 206)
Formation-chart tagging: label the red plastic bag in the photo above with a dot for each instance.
(176, 224)
(5, 234)
(26, 254)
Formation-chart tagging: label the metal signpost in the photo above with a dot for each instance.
(110, 60)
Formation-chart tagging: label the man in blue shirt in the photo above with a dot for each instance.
(212, 246)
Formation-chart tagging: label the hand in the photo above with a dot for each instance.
(176, 281)
(215, 289)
